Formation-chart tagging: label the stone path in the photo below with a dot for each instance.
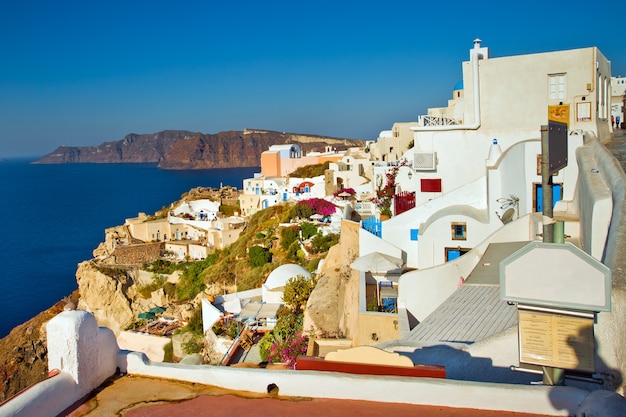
(617, 146)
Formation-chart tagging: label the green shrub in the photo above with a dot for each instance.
(192, 346)
(312, 264)
(195, 322)
(297, 292)
(310, 171)
(321, 243)
(189, 286)
(295, 253)
(259, 256)
(230, 328)
(168, 352)
(157, 282)
(169, 289)
(308, 230)
(229, 210)
(161, 266)
(191, 283)
(288, 235)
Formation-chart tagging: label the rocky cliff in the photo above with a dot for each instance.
(180, 149)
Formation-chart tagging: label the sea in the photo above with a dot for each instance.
(52, 217)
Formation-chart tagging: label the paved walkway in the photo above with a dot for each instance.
(130, 396)
(617, 146)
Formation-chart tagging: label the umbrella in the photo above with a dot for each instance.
(316, 216)
(344, 194)
(157, 310)
(146, 315)
(376, 262)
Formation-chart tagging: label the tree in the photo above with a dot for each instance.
(297, 292)
(308, 230)
(259, 256)
(288, 235)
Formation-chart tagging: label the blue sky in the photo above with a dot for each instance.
(80, 73)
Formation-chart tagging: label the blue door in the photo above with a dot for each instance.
(556, 196)
(453, 254)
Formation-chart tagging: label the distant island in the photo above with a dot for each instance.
(181, 149)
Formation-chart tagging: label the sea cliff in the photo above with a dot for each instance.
(181, 149)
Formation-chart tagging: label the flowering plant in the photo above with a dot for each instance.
(384, 194)
(320, 206)
(350, 191)
(286, 351)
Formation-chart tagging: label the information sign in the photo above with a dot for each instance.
(556, 340)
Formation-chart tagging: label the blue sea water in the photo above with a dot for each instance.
(52, 217)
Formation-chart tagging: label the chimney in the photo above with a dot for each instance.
(480, 50)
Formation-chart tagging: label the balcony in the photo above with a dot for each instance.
(439, 120)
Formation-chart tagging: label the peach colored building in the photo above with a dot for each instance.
(281, 160)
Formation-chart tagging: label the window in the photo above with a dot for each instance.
(459, 231)
(430, 185)
(414, 234)
(556, 88)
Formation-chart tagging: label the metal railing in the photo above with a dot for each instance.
(439, 120)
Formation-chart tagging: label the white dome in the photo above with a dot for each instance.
(279, 277)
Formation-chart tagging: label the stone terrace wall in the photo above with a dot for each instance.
(138, 254)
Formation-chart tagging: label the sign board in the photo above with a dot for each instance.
(556, 340)
(555, 275)
(558, 120)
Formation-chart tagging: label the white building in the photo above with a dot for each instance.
(485, 150)
(618, 92)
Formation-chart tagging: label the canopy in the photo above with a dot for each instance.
(344, 194)
(377, 262)
(157, 310)
(146, 315)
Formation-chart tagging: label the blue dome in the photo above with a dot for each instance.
(458, 86)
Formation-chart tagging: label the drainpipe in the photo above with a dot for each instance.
(476, 56)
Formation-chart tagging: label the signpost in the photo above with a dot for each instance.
(553, 158)
(558, 290)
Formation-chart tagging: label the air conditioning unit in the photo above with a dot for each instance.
(425, 161)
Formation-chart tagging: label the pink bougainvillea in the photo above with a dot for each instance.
(385, 194)
(350, 191)
(320, 206)
(287, 351)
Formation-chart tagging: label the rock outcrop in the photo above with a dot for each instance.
(108, 296)
(181, 149)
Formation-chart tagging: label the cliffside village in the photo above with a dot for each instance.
(473, 262)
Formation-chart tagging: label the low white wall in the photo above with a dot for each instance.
(90, 360)
(85, 355)
(439, 392)
(47, 398)
(151, 345)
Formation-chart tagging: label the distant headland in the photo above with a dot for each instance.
(181, 149)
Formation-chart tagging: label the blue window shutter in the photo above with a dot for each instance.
(414, 234)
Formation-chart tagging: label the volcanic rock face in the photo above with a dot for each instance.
(134, 148)
(180, 149)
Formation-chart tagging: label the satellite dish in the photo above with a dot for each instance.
(508, 215)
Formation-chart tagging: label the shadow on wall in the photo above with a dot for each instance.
(603, 400)
(462, 366)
